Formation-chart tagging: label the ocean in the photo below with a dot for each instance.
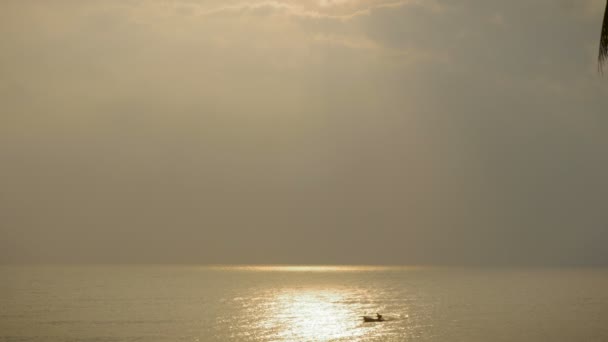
(301, 303)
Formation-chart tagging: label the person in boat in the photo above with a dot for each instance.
(379, 316)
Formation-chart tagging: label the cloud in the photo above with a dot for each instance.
(314, 12)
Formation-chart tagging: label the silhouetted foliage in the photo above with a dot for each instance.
(603, 54)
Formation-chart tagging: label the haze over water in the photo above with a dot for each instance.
(236, 303)
(303, 132)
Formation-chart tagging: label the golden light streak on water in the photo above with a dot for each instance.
(314, 268)
(307, 310)
(307, 315)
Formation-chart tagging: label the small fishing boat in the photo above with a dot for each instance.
(373, 319)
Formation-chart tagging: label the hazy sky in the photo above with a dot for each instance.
(344, 131)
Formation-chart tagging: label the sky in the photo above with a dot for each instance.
(439, 132)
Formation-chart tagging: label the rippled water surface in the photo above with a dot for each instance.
(295, 303)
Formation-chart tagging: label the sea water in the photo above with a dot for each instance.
(299, 303)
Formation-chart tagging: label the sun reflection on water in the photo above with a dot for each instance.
(305, 303)
(312, 315)
(311, 268)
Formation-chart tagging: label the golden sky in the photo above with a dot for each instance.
(345, 131)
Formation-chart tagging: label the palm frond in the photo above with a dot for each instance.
(603, 54)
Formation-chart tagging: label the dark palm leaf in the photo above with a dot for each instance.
(603, 55)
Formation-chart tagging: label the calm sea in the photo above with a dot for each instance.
(266, 303)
